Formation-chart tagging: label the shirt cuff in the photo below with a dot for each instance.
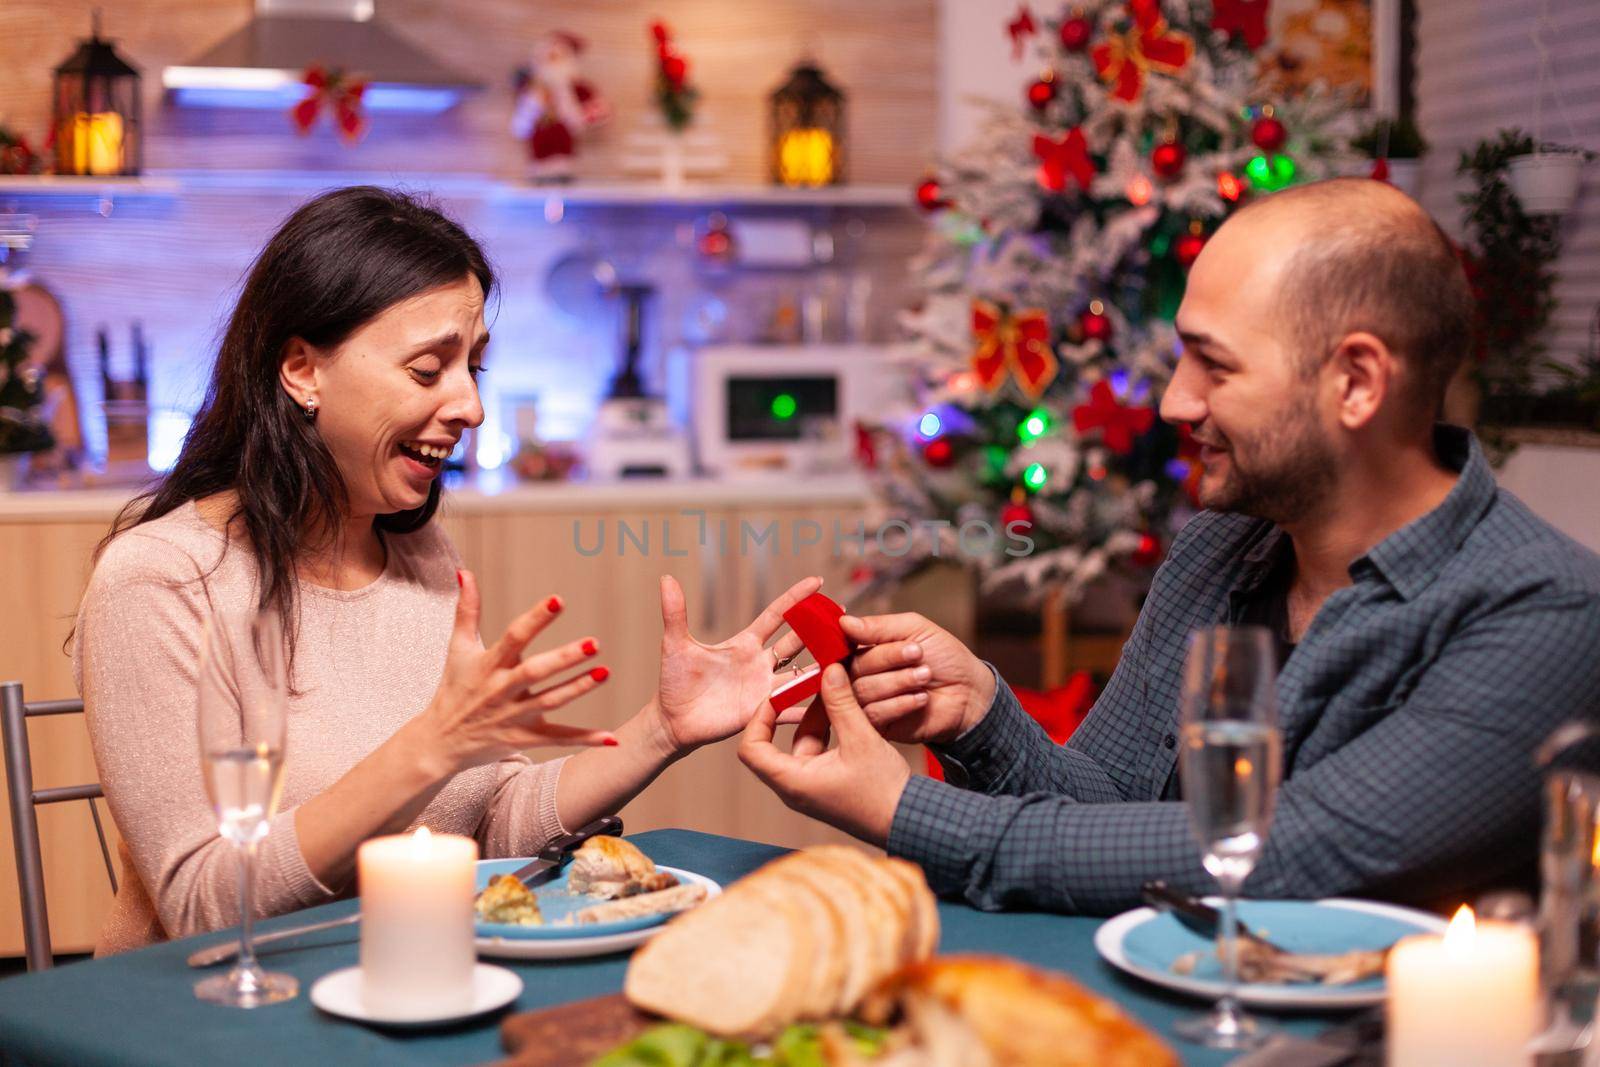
(282, 860)
(935, 826)
(981, 758)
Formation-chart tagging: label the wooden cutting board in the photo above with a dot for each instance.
(571, 1035)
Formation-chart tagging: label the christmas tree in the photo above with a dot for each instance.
(21, 386)
(1058, 248)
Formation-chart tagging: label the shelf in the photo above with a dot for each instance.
(466, 186)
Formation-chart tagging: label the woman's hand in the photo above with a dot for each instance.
(708, 692)
(492, 702)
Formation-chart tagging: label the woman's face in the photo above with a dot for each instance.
(396, 396)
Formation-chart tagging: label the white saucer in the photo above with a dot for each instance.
(339, 993)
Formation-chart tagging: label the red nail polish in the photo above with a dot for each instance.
(600, 674)
(460, 581)
(553, 605)
(611, 742)
(589, 647)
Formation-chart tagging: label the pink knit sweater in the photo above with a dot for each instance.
(365, 662)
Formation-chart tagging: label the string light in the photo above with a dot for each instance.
(1140, 191)
(1035, 476)
(1229, 187)
(1034, 426)
(1270, 172)
(929, 426)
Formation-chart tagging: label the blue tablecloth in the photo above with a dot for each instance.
(137, 1008)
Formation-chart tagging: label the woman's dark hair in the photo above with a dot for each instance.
(334, 265)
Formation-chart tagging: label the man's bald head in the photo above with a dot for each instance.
(1362, 256)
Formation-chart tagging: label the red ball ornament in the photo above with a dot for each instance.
(1168, 159)
(1016, 518)
(1269, 134)
(930, 195)
(1041, 92)
(938, 453)
(1075, 34)
(1095, 325)
(1148, 554)
(1187, 248)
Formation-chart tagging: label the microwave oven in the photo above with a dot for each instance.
(786, 410)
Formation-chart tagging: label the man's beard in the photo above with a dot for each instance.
(1282, 473)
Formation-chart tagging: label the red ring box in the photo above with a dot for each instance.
(816, 620)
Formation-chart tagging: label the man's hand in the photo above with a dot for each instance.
(855, 785)
(916, 682)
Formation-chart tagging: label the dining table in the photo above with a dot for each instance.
(137, 1009)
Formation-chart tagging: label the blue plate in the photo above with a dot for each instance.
(1146, 943)
(555, 903)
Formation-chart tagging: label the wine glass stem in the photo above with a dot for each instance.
(1229, 1004)
(247, 907)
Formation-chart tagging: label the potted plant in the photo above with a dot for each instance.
(1400, 145)
(22, 431)
(1546, 178)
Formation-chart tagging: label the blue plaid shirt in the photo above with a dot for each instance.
(1410, 712)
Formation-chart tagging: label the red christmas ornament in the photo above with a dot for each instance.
(930, 195)
(1269, 134)
(1017, 518)
(938, 453)
(1075, 33)
(1245, 19)
(1380, 169)
(340, 94)
(1168, 159)
(1118, 423)
(1014, 344)
(1058, 159)
(1041, 92)
(1096, 326)
(1148, 554)
(1187, 248)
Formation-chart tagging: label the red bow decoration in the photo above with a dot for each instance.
(1020, 28)
(1246, 19)
(1149, 45)
(1118, 423)
(1018, 344)
(1057, 159)
(335, 90)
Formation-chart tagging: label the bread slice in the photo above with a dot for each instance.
(924, 905)
(735, 966)
(816, 896)
(887, 914)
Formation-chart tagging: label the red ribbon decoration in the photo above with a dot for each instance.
(1149, 45)
(1246, 19)
(1020, 28)
(1017, 344)
(340, 93)
(1058, 159)
(1118, 423)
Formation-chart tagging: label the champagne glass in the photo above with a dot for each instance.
(1229, 767)
(242, 718)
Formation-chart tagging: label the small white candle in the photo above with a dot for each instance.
(1467, 999)
(417, 953)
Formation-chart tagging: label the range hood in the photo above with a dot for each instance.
(263, 64)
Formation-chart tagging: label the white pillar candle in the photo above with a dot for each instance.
(417, 953)
(1467, 999)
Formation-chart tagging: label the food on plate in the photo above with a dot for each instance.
(803, 938)
(661, 902)
(506, 900)
(1260, 962)
(989, 1011)
(801, 1045)
(609, 867)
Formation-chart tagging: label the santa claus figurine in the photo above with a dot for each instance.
(554, 105)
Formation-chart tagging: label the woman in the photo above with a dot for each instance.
(307, 485)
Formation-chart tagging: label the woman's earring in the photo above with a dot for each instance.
(311, 410)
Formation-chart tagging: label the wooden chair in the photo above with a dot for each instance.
(14, 716)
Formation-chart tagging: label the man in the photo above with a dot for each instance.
(1432, 631)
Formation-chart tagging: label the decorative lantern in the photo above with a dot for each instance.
(808, 133)
(96, 111)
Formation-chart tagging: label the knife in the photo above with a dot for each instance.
(555, 855)
(1196, 915)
